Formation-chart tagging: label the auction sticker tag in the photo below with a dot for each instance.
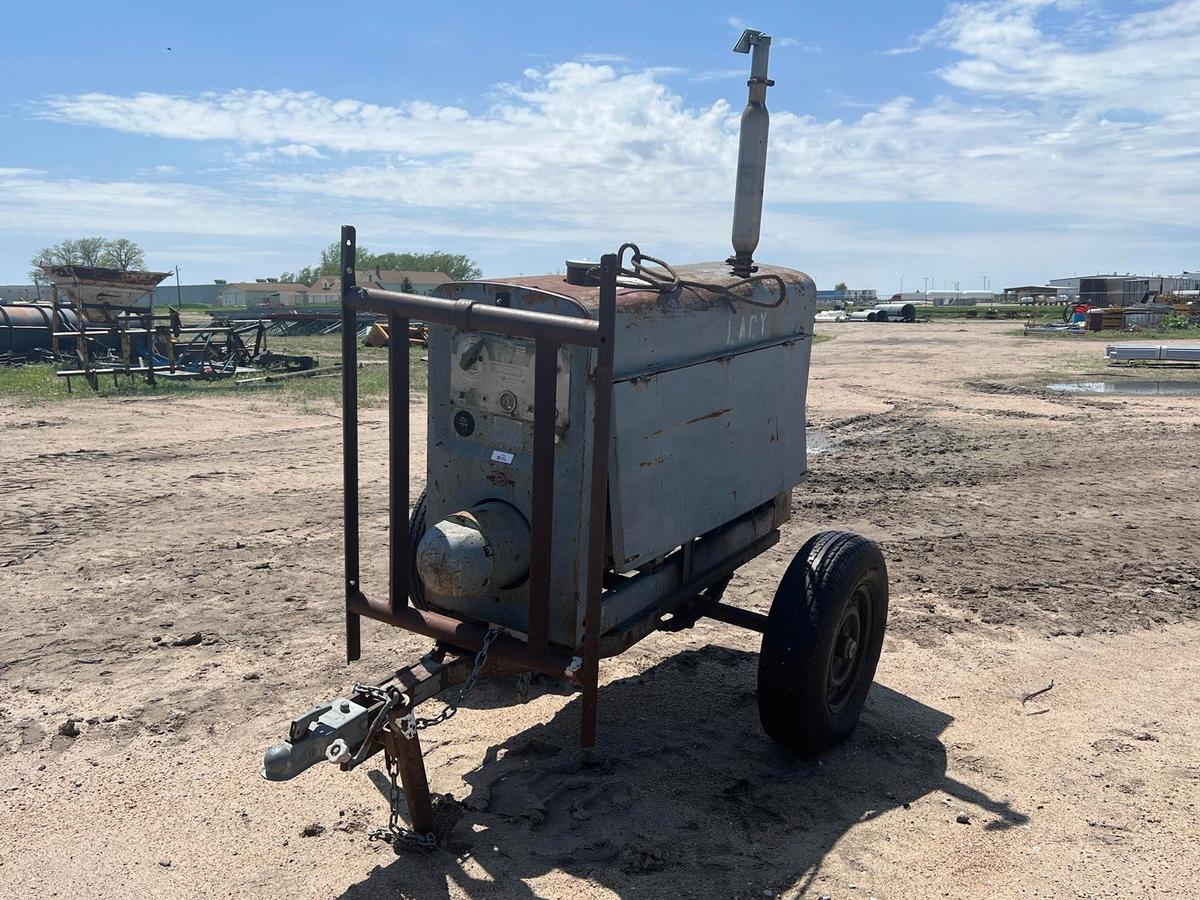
(501, 457)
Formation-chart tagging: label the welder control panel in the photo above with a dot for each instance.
(495, 374)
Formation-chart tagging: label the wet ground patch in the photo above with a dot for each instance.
(1129, 387)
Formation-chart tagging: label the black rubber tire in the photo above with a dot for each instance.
(416, 531)
(812, 681)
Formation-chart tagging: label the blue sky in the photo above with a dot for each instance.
(934, 142)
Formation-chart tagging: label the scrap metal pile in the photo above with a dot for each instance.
(102, 322)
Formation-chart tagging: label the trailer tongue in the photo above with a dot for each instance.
(605, 449)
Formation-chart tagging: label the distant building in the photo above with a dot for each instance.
(187, 294)
(837, 299)
(16, 293)
(1149, 288)
(264, 294)
(1033, 293)
(1068, 288)
(945, 298)
(1128, 289)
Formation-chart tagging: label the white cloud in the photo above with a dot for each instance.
(34, 201)
(1078, 123)
(601, 58)
(294, 151)
(720, 75)
(793, 42)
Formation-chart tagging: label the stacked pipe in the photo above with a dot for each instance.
(885, 312)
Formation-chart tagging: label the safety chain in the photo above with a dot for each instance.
(451, 709)
(394, 833)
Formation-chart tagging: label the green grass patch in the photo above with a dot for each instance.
(1108, 337)
(1039, 314)
(34, 384)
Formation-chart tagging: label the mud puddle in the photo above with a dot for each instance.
(1132, 387)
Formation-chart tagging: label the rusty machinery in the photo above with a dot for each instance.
(605, 449)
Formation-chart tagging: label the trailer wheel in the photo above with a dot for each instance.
(822, 642)
(416, 531)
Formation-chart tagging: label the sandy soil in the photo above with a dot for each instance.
(169, 576)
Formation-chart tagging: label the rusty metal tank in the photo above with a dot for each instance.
(25, 328)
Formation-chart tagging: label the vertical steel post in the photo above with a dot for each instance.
(148, 327)
(398, 472)
(598, 499)
(411, 768)
(350, 442)
(541, 533)
(54, 323)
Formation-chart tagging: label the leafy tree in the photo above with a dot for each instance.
(90, 250)
(307, 275)
(123, 254)
(458, 266)
(840, 286)
(44, 257)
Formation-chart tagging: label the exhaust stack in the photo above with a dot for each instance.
(752, 154)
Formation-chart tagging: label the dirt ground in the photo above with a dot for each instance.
(169, 575)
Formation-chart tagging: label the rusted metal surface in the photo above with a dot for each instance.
(467, 636)
(732, 615)
(633, 299)
(704, 393)
(542, 502)
(350, 447)
(598, 501)
(398, 472)
(472, 317)
(406, 748)
(26, 329)
(101, 289)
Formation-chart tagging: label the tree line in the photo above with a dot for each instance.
(118, 253)
(127, 256)
(458, 266)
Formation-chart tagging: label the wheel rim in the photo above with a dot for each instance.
(849, 650)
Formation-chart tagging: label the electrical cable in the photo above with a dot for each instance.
(662, 277)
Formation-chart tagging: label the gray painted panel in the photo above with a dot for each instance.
(1181, 354)
(1132, 351)
(698, 446)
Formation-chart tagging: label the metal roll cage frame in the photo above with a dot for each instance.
(548, 331)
